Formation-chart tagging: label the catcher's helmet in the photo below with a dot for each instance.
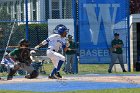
(23, 42)
(60, 29)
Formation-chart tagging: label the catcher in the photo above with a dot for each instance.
(21, 58)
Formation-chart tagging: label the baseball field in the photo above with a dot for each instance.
(90, 79)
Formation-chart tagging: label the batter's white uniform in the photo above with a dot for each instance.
(55, 42)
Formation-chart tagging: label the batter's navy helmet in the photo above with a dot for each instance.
(60, 29)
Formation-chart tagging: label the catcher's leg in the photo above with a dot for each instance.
(32, 75)
(31, 72)
(12, 72)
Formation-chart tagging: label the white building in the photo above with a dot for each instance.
(134, 41)
(38, 10)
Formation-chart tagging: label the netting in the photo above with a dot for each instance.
(39, 11)
(29, 19)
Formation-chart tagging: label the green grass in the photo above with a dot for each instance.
(92, 68)
(83, 69)
(89, 68)
(134, 90)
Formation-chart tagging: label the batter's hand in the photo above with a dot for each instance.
(32, 52)
(36, 47)
(69, 49)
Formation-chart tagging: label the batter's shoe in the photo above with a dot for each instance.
(52, 77)
(124, 71)
(109, 71)
(57, 74)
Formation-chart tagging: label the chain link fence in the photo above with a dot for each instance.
(29, 19)
(14, 14)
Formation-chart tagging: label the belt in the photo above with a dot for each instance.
(52, 49)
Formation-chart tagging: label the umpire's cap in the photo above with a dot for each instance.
(116, 34)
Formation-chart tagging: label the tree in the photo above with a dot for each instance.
(134, 6)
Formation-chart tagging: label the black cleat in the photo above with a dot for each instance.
(58, 75)
(52, 77)
(109, 71)
(124, 71)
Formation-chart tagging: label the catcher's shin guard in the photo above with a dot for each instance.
(11, 74)
(34, 74)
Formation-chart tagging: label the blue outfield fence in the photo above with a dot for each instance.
(98, 21)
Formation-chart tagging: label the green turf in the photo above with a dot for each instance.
(134, 90)
(130, 90)
(89, 68)
(83, 69)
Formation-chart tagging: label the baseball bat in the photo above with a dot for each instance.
(20, 47)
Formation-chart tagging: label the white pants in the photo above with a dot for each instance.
(55, 57)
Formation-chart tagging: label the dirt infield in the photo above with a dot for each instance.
(123, 79)
(132, 79)
(73, 82)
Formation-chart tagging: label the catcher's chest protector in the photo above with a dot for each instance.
(24, 54)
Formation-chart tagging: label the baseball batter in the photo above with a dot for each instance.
(55, 42)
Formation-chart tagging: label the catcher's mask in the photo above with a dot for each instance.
(23, 42)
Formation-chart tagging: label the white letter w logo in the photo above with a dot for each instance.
(104, 15)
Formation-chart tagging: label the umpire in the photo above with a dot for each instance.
(117, 52)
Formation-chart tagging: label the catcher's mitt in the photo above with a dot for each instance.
(25, 56)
